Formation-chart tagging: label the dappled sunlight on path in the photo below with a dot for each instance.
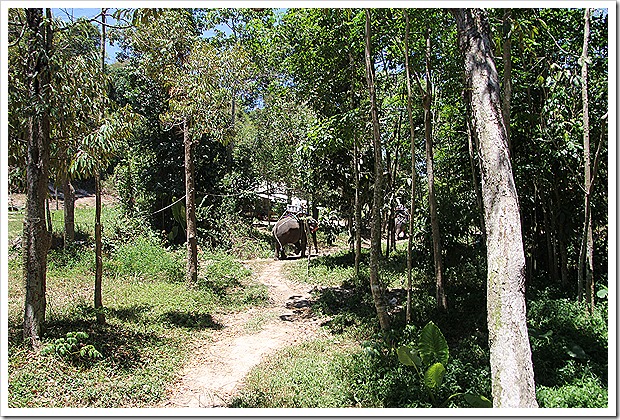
(220, 363)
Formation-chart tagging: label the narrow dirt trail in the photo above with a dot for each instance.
(219, 364)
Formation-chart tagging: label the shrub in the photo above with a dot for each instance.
(146, 258)
(586, 392)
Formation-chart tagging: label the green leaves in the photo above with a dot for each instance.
(478, 401)
(409, 356)
(433, 377)
(432, 345)
(433, 354)
(72, 346)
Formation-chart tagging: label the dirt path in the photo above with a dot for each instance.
(219, 364)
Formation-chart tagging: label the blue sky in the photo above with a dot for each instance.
(74, 13)
(69, 14)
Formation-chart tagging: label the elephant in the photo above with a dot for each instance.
(290, 230)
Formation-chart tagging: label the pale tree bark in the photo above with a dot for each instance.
(98, 303)
(36, 238)
(586, 256)
(190, 209)
(512, 375)
(375, 229)
(357, 211)
(413, 174)
(474, 173)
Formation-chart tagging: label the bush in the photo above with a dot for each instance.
(583, 393)
(569, 352)
(146, 258)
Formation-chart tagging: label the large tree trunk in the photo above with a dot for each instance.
(587, 249)
(375, 229)
(413, 174)
(190, 209)
(474, 173)
(440, 292)
(69, 211)
(36, 238)
(512, 375)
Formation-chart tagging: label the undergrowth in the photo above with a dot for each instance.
(152, 319)
(569, 346)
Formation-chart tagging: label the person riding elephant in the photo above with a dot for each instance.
(290, 229)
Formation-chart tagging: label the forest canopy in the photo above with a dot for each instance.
(456, 154)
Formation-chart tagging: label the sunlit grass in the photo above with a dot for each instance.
(152, 319)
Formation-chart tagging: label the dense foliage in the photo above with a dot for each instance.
(276, 100)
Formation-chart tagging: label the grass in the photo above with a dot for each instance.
(313, 374)
(570, 364)
(152, 319)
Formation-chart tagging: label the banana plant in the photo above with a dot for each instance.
(429, 359)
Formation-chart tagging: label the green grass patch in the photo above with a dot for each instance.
(313, 374)
(327, 270)
(152, 319)
(145, 257)
(255, 243)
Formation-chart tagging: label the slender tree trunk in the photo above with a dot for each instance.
(190, 209)
(507, 74)
(358, 209)
(512, 375)
(413, 173)
(98, 228)
(586, 257)
(440, 292)
(375, 230)
(357, 243)
(551, 273)
(69, 211)
(389, 222)
(561, 240)
(36, 238)
(98, 251)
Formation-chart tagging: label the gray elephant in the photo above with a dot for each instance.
(290, 230)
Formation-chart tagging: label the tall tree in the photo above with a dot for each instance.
(375, 227)
(427, 100)
(36, 239)
(413, 173)
(512, 375)
(586, 250)
(98, 239)
(198, 78)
